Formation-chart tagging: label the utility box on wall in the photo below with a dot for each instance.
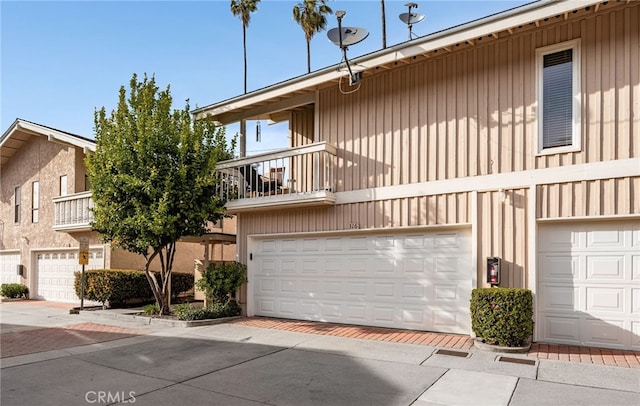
(493, 271)
(20, 270)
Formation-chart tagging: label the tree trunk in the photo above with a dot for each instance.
(308, 55)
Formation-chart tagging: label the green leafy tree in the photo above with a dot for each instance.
(152, 177)
(311, 15)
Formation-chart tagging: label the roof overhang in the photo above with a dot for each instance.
(301, 90)
(21, 131)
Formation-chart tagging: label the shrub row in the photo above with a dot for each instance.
(14, 290)
(118, 286)
(215, 311)
(502, 316)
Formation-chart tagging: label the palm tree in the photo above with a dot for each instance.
(384, 25)
(243, 9)
(311, 15)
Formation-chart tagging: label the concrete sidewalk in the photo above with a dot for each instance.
(238, 364)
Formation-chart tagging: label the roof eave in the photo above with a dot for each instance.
(469, 31)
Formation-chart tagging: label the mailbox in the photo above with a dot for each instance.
(493, 271)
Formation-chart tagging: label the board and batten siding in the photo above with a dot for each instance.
(473, 112)
(601, 197)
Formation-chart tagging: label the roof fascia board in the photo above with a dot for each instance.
(53, 135)
(486, 26)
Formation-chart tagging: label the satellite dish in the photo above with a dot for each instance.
(350, 36)
(344, 37)
(411, 18)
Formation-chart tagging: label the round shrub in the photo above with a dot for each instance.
(14, 290)
(502, 316)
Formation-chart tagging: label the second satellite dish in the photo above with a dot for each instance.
(411, 18)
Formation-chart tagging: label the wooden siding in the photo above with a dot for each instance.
(603, 197)
(473, 112)
(502, 232)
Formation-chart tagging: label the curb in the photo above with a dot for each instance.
(157, 321)
(480, 344)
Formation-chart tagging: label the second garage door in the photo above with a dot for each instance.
(589, 284)
(414, 281)
(55, 271)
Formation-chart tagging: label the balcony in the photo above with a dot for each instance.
(72, 212)
(294, 177)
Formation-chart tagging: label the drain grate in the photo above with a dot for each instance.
(453, 353)
(517, 360)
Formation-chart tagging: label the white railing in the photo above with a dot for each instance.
(73, 212)
(297, 172)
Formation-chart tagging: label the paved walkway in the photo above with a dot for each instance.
(16, 343)
(625, 359)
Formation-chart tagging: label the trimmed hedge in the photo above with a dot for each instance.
(118, 286)
(215, 311)
(502, 316)
(14, 290)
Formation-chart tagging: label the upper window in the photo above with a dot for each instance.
(559, 97)
(16, 204)
(35, 201)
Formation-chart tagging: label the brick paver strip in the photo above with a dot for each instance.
(55, 338)
(587, 355)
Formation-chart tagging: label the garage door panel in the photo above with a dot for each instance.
(563, 239)
(602, 237)
(605, 300)
(560, 298)
(559, 267)
(603, 266)
(565, 329)
(602, 332)
(635, 301)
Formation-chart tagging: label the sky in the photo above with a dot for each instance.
(62, 60)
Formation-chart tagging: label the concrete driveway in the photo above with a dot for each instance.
(235, 364)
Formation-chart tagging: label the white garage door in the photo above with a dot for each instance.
(589, 284)
(56, 269)
(8, 267)
(415, 281)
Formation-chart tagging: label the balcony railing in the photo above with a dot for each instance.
(299, 176)
(72, 212)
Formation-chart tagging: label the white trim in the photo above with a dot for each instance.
(51, 134)
(365, 231)
(532, 251)
(251, 244)
(576, 91)
(10, 251)
(610, 217)
(512, 180)
(474, 239)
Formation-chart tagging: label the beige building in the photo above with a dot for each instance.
(516, 136)
(45, 213)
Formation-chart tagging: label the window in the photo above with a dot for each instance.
(16, 204)
(559, 97)
(63, 185)
(35, 201)
(87, 183)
